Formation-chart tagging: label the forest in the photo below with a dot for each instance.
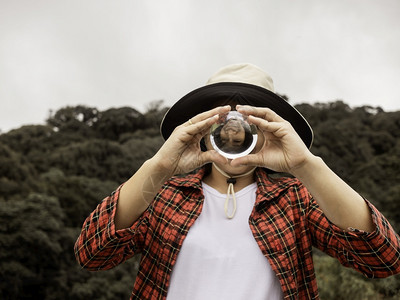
(52, 175)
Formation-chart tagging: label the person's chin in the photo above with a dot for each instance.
(234, 170)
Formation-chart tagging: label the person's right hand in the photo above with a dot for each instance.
(181, 152)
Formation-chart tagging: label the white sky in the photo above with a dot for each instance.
(105, 53)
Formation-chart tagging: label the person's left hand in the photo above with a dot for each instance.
(283, 149)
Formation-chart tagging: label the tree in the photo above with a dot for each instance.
(77, 195)
(116, 121)
(16, 173)
(53, 175)
(66, 116)
(102, 159)
(30, 239)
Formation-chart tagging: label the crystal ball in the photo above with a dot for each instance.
(232, 136)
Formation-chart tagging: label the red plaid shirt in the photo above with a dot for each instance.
(286, 222)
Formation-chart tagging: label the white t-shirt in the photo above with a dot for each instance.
(220, 258)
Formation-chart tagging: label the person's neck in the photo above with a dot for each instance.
(217, 180)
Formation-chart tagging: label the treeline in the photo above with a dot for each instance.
(53, 175)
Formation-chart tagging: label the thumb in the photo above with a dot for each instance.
(248, 160)
(212, 156)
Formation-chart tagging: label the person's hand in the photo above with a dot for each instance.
(283, 149)
(181, 152)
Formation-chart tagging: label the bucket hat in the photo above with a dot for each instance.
(245, 84)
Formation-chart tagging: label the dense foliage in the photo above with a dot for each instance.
(53, 175)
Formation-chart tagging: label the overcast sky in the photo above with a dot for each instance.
(105, 53)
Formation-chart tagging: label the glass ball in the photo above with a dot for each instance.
(232, 136)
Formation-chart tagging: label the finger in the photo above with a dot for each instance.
(210, 156)
(196, 131)
(207, 114)
(248, 160)
(202, 126)
(261, 112)
(278, 129)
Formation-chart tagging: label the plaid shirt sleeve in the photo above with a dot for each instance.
(375, 254)
(100, 246)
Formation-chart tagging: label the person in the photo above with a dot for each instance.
(173, 209)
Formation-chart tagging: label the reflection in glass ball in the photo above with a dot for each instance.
(232, 136)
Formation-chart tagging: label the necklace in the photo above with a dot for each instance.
(231, 180)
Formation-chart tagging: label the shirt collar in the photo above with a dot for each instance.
(268, 188)
(192, 179)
